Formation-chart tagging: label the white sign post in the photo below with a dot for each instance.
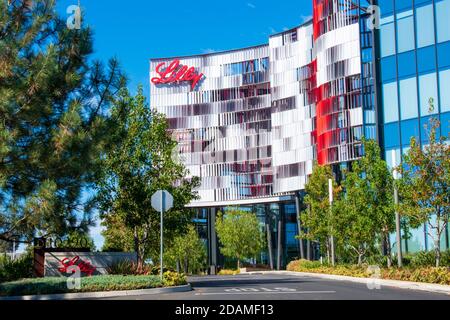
(162, 201)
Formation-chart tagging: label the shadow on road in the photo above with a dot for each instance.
(212, 282)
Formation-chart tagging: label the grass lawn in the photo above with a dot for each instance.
(89, 284)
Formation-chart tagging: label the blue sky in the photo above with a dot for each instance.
(136, 30)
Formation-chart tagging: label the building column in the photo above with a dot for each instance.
(269, 234)
(299, 226)
(212, 242)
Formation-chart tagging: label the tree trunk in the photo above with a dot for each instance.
(137, 249)
(437, 249)
(328, 251)
(388, 250)
(239, 263)
(186, 265)
(360, 255)
(361, 252)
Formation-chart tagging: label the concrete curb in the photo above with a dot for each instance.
(105, 294)
(430, 287)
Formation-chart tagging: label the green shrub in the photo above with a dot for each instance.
(228, 272)
(11, 270)
(303, 264)
(174, 279)
(127, 267)
(156, 270)
(428, 259)
(439, 275)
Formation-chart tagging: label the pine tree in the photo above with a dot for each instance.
(53, 120)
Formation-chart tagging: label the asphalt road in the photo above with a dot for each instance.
(285, 287)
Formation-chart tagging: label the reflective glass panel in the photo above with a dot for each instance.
(390, 102)
(443, 54)
(427, 91)
(425, 26)
(387, 39)
(408, 98)
(406, 64)
(410, 128)
(405, 31)
(388, 68)
(444, 85)
(426, 59)
(391, 135)
(443, 20)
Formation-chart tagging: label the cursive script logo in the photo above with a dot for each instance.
(85, 267)
(175, 73)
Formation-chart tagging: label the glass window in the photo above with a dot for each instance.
(390, 102)
(387, 39)
(391, 135)
(387, 6)
(445, 124)
(442, 20)
(388, 68)
(425, 26)
(405, 31)
(408, 99)
(410, 128)
(444, 85)
(427, 91)
(401, 5)
(443, 56)
(426, 59)
(393, 157)
(406, 64)
(417, 3)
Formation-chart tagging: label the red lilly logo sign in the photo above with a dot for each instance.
(176, 73)
(85, 267)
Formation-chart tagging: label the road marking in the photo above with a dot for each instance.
(277, 292)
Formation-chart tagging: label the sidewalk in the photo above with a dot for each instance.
(430, 287)
(99, 295)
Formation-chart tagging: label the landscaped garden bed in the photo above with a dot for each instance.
(55, 285)
(435, 275)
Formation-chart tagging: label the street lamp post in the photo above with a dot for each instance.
(397, 216)
(330, 192)
(162, 201)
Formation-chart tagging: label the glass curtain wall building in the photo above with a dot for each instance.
(414, 81)
(251, 123)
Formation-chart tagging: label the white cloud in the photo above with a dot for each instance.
(251, 5)
(272, 30)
